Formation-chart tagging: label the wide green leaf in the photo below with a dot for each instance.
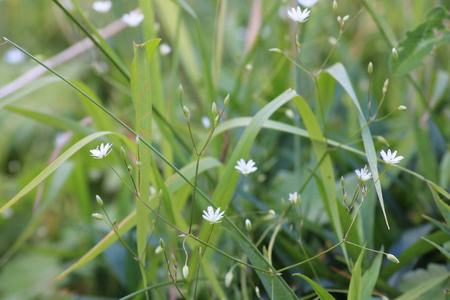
(355, 289)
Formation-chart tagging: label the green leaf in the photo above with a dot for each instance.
(321, 292)
(443, 251)
(52, 167)
(339, 73)
(355, 289)
(443, 227)
(370, 277)
(421, 41)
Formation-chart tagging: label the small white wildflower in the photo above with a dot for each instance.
(390, 158)
(363, 174)
(206, 122)
(102, 6)
(133, 18)
(307, 3)
(14, 56)
(213, 216)
(248, 225)
(294, 197)
(101, 152)
(297, 15)
(165, 49)
(245, 167)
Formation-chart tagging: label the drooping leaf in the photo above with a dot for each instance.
(321, 292)
(419, 43)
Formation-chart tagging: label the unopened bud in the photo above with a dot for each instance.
(339, 19)
(394, 54)
(162, 244)
(257, 292)
(158, 250)
(227, 100)
(228, 278)
(186, 112)
(180, 91)
(275, 50)
(214, 109)
(122, 152)
(342, 182)
(99, 200)
(137, 140)
(345, 19)
(392, 258)
(185, 271)
(248, 225)
(98, 216)
(370, 68)
(130, 169)
(216, 121)
(401, 107)
(335, 6)
(272, 212)
(385, 86)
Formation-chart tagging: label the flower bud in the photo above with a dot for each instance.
(275, 50)
(342, 182)
(186, 112)
(185, 271)
(216, 121)
(339, 19)
(162, 244)
(228, 278)
(345, 19)
(257, 292)
(394, 54)
(382, 140)
(122, 152)
(248, 225)
(98, 216)
(392, 258)
(180, 91)
(158, 250)
(137, 140)
(227, 100)
(401, 107)
(99, 200)
(385, 86)
(370, 68)
(335, 6)
(214, 109)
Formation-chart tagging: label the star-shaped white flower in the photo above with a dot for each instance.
(297, 15)
(102, 6)
(363, 174)
(307, 3)
(213, 216)
(101, 151)
(390, 158)
(294, 197)
(245, 167)
(133, 18)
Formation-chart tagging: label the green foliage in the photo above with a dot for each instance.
(307, 112)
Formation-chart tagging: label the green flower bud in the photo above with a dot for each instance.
(335, 6)
(392, 258)
(342, 182)
(185, 271)
(394, 54)
(401, 107)
(99, 200)
(370, 68)
(162, 244)
(227, 100)
(214, 109)
(180, 91)
(186, 112)
(248, 225)
(228, 278)
(98, 216)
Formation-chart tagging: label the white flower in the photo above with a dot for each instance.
(102, 152)
(165, 49)
(363, 174)
(294, 197)
(248, 224)
(307, 3)
(102, 6)
(14, 56)
(133, 19)
(245, 167)
(297, 15)
(390, 158)
(213, 216)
